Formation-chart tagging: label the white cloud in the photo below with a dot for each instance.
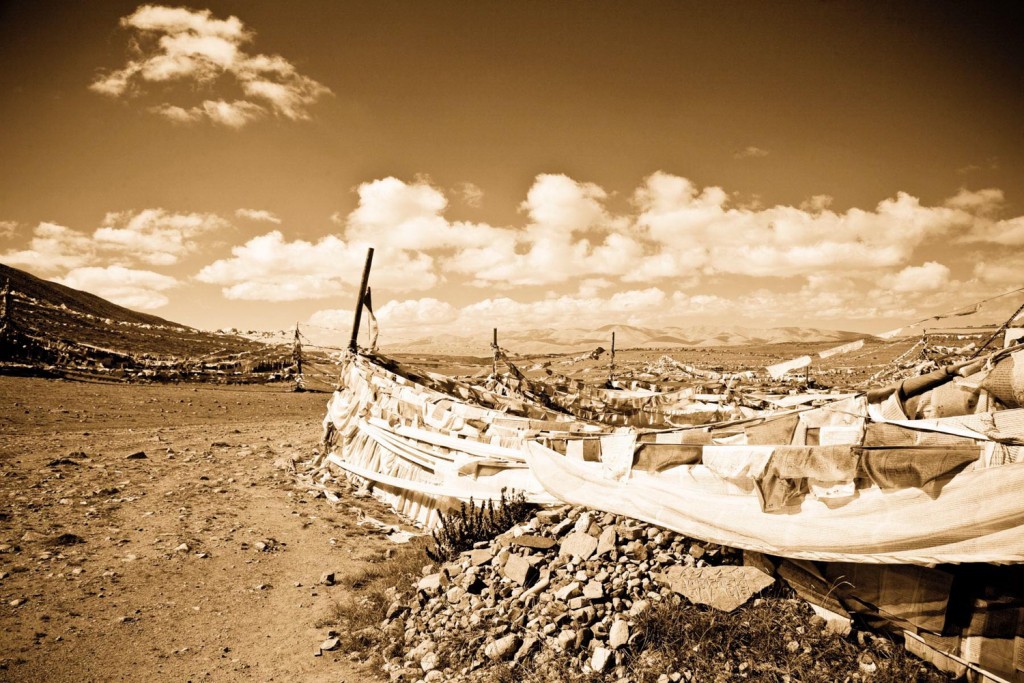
(421, 317)
(927, 277)
(52, 249)
(557, 203)
(1001, 270)
(984, 202)
(471, 194)
(334, 319)
(231, 114)
(816, 204)
(785, 241)
(7, 229)
(590, 287)
(415, 313)
(409, 216)
(124, 286)
(750, 152)
(570, 235)
(270, 268)
(155, 236)
(674, 231)
(259, 215)
(176, 44)
(1009, 232)
(152, 236)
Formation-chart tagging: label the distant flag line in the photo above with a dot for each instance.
(777, 370)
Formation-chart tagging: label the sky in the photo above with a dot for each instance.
(841, 165)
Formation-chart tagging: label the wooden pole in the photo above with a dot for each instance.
(359, 302)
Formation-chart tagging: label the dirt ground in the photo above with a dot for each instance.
(200, 561)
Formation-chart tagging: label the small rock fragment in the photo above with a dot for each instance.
(578, 544)
(618, 635)
(519, 569)
(502, 648)
(600, 660)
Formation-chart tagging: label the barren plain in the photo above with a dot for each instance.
(199, 560)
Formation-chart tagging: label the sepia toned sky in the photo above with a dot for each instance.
(831, 164)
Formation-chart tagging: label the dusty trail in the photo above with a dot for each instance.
(97, 583)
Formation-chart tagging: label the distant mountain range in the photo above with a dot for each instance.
(52, 311)
(578, 339)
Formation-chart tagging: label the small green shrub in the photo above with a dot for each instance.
(472, 523)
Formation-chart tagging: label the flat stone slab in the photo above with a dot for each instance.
(533, 541)
(606, 543)
(480, 557)
(520, 570)
(723, 588)
(578, 544)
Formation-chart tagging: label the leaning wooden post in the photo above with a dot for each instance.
(359, 302)
(494, 348)
(297, 357)
(611, 361)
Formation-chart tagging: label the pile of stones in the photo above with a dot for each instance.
(567, 583)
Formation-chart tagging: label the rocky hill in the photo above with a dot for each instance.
(56, 312)
(45, 324)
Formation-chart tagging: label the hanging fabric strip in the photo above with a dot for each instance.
(845, 348)
(371, 320)
(779, 369)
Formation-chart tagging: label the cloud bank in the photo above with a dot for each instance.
(667, 252)
(200, 53)
(101, 262)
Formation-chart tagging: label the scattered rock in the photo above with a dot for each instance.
(137, 455)
(429, 661)
(480, 556)
(65, 539)
(519, 569)
(502, 648)
(601, 658)
(533, 541)
(578, 544)
(606, 542)
(724, 588)
(430, 583)
(61, 461)
(618, 635)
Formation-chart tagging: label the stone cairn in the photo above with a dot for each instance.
(568, 582)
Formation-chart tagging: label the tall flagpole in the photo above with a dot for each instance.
(359, 302)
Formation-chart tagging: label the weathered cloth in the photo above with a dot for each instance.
(977, 516)
(895, 468)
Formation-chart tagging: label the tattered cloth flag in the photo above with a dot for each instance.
(968, 311)
(845, 348)
(779, 369)
(371, 320)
